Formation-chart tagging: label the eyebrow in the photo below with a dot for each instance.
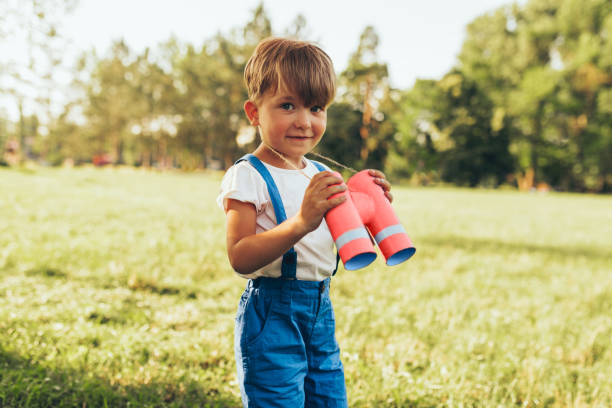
(290, 97)
(293, 98)
(287, 99)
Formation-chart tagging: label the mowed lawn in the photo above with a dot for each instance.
(115, 291)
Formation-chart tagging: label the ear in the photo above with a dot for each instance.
(252, 113)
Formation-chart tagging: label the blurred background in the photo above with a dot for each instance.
(117, 118)
(478, 93)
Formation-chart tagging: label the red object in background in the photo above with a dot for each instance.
(101, 159)
(367, 207)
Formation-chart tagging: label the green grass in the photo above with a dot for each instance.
(115, 290)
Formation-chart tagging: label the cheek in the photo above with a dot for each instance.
(321, 126)
(281, 126)
(276, 125)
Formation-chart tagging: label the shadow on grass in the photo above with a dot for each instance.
(46, 271)
(491, 245)
(24, 383)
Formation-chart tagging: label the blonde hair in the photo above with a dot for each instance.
(302, 67)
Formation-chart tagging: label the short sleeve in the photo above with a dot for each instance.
(242, 182)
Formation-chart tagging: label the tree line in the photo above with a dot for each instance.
(528, 103)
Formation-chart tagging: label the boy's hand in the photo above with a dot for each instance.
(381, 180)
(316, 199)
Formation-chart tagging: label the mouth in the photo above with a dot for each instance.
(298, 137)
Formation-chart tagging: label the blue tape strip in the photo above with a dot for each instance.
(387, 232)
(351, 235)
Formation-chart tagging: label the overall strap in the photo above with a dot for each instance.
(318, 165)
(289, 265)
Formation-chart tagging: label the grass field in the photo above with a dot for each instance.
(115, 291)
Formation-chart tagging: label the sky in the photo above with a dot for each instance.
(418, 39)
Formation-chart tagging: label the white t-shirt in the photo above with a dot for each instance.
(316, 257)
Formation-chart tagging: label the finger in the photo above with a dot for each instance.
(316, 179)
(334, 189)
(321, 183)
(327, 181)
(326, 173)
(321, 174)
(389, 196)
(383, 183)
(336, 201)
(376, 173)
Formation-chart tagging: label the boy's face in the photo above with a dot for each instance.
(286, 124)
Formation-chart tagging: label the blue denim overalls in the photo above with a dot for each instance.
(285, 345)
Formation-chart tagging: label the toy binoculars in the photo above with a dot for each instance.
(367, 207)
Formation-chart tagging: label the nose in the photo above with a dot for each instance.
(302, 120)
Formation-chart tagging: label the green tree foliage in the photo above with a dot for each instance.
(417, 141)
(65, 141)
(529, 100)
(450, 130)
(186, 115)
(477, 140)
(29, 77)
(191, 71)
(364, 87)
(544, 66)
(342, 141)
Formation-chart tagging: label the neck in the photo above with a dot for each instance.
(272, 156)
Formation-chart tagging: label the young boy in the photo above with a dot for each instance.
(275, 201)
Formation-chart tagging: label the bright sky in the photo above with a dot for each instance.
(418, 39)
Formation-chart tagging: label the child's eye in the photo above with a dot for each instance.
(316, 109)
(286, 106)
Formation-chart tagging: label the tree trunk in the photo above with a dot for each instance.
(535, 139)
(364, 131)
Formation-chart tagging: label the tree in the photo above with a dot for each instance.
(449, 129)
(342, 134)
(545, 67)
(364, 85)
(111, 105)
(417, 142)
(128, 108)
(192, 70)
(28, 80)
(479, 151)
(298, 28)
